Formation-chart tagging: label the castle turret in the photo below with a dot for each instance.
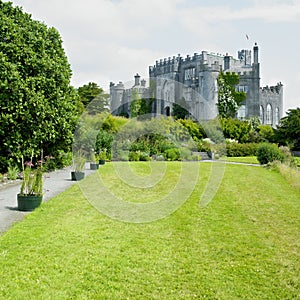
(137, 79)
(255, 50)
(227, 61)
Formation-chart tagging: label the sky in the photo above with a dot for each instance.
(112, 40)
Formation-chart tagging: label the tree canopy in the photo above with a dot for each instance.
(39, 108)
(92, 92)
(288, 131)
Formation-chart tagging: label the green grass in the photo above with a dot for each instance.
(297, 160)
(244, 245)
(246, 159)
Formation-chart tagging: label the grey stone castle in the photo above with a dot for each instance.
(192, 83)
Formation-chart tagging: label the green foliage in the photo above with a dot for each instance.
(102, 154)
(213, 130)
(172, 154)
(88, 92)
(229, 99)
(79, 163)
(32, 181)
(39, 108)
(139, 106)
(236, 129)
(138, 156)
(241, 150)
(12, 172)
(113, 124)
(288, 131)
(104, 142)
(180, 109)
(195, 129)
(99, 104)
(266, 133)
(267, 153)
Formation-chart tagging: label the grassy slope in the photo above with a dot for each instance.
(244, 245)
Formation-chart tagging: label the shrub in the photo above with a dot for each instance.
(144, 156)
(134, 156)
(267, 153)
(172, 154)
(12, 172)
(266, 133)
(238, 150)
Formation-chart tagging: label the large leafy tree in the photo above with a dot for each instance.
(93, 96)
(39, 108)
(288, 131)
(229, 99)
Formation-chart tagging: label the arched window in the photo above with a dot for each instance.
(269, 120)
(277, 116)
(261, 115)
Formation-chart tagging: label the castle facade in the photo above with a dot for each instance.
(191, 82)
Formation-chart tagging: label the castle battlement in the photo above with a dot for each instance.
(244, 73)
(276, 89)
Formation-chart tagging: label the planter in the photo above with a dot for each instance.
(94, 166)
(29, 202)
(76, 176)
(101, 162)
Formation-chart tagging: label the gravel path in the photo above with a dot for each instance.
(55, 183)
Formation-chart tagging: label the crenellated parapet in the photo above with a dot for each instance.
(271, 90)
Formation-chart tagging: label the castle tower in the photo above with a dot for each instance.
(116, 97)
(137, 79)
(253, 102)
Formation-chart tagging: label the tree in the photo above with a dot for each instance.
(92, 91)
(229, 99)
(288, 131)
(39, 108)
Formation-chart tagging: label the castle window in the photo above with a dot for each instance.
(277, 116)
(261, 115)
(269, 120)
(189, 74)
(242, 88)
(241, 113)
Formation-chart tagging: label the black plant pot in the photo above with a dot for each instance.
(101, 162)
(76, 176)
(94, 166)
(29, 202)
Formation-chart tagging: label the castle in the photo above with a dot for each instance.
(192, 83)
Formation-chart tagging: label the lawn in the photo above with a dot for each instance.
(243, 159)
(245, 244)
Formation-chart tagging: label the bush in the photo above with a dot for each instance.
(267, 153)
(172, 154)
(238, 150)
(134, 156)
(12, 172)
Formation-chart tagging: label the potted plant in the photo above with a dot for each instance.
(31, 193)
(94, 165)
(101, 157)
(79, 165)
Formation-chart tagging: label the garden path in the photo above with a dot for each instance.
(55, 183)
